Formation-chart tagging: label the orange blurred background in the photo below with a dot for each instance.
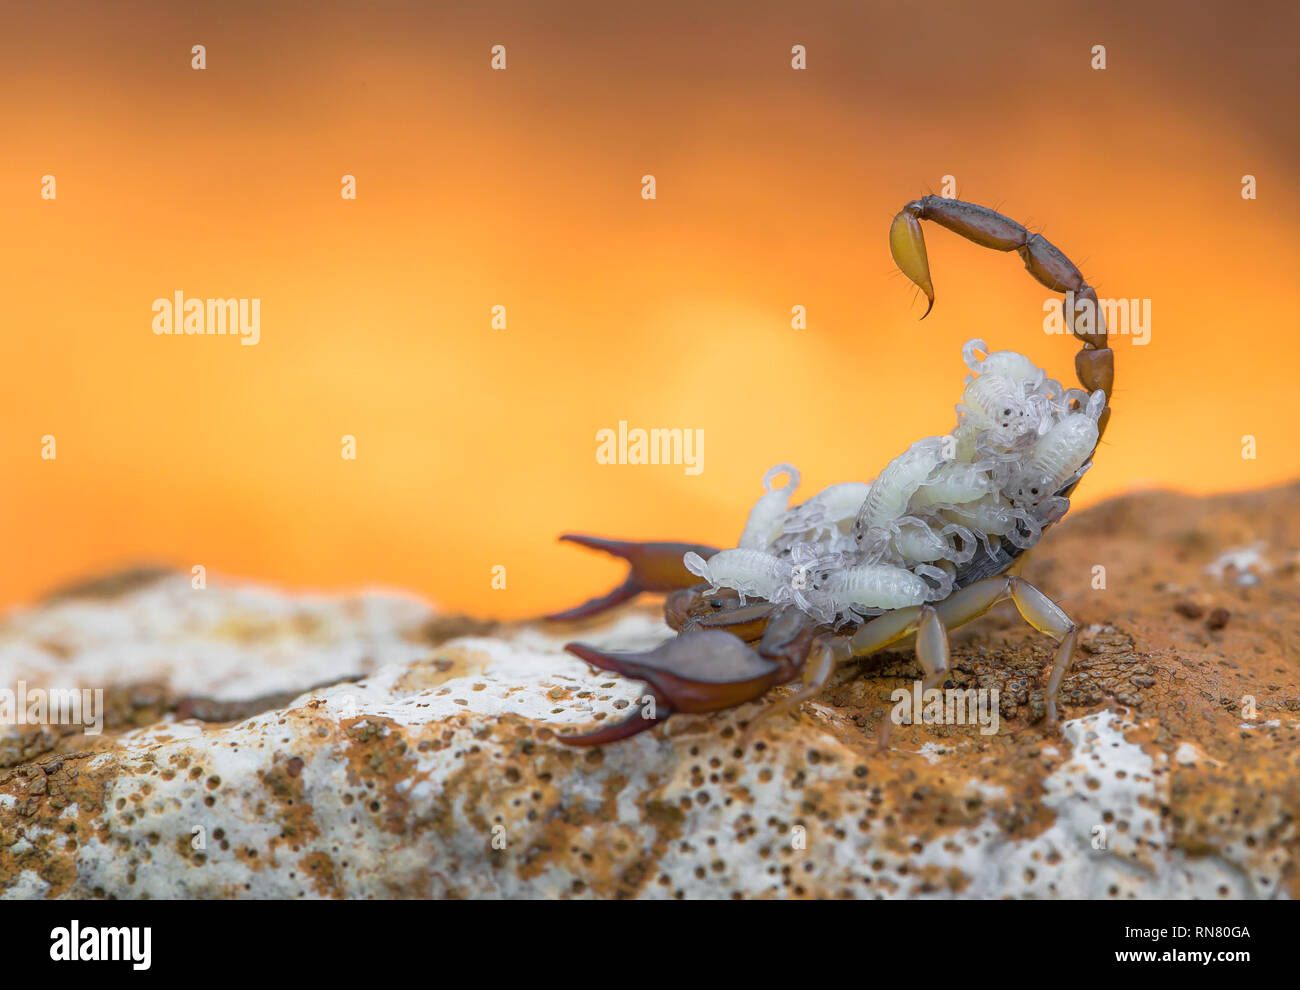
(522, 188)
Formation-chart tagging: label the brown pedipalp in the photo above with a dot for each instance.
(703, 671)
(631, 726)
(708, 669)
(696, 672)
(652, 566)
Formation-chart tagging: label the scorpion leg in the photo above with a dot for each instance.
(816, 673)
(1047, 617)
(929, 625)
(1034, 607)
(880, 632)
(704, 671)
(885, 630)
(653, 567)
(931, 647)
(895, 627)
(931, 651)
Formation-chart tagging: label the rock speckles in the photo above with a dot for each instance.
(424, 763)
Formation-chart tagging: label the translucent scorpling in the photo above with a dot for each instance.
(855, 550)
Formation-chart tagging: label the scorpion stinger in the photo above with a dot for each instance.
(924, 548)
(1095, 364)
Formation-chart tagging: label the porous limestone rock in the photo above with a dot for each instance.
(263, 744)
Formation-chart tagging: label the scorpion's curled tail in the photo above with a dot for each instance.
(1095, 362)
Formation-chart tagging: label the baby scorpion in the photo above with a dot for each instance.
(859, 568)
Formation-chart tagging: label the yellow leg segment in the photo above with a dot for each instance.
(932, 647)
(930, 625)
(965, 605)
(816, 673)
(1047, 617)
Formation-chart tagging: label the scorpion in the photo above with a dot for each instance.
(858, 568)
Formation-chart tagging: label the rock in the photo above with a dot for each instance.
(262, 744)
(1217, 619)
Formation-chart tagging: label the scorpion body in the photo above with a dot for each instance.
(860, 567)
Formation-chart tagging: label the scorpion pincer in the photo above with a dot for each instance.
(860, 567)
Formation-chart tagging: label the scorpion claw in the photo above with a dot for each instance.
(696, 672)
(907, 245)
(634, 724)
(653, 567)
(625, 592)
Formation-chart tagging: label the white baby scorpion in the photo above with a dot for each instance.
(749, 572)
(1058, 455)
(1011, 364)
(953, 482)
(921, 540)
(764, 522)
(891, 492)
(832, 508)
(1019, 441)
(873, 586)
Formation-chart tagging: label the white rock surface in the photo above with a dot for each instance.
(228, 641)
(438, 775)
